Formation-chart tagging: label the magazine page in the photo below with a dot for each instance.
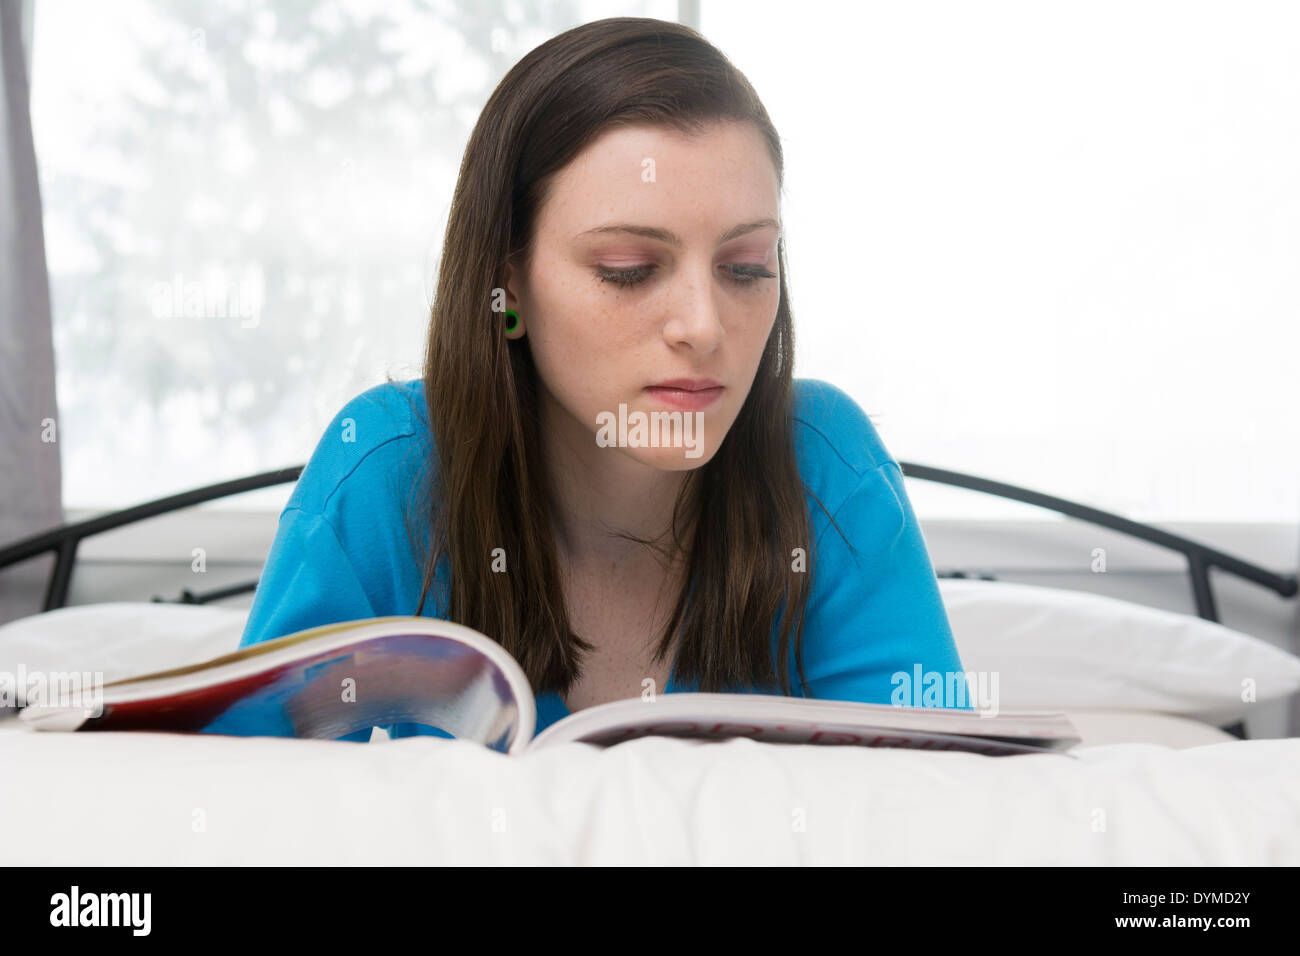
(802, 720)
(325, 683)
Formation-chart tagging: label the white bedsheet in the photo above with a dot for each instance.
(141, 798)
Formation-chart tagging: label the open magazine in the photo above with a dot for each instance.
(329, 681)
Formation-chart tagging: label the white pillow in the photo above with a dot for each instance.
(120, 639)
(1055, 649)
(1052, 649)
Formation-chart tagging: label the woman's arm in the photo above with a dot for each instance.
(308, 580)
(876, 629)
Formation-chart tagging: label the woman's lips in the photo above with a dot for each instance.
(686, 399)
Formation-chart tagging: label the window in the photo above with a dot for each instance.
(244, 206)
(1066, 265)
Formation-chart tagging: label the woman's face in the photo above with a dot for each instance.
(692, 223)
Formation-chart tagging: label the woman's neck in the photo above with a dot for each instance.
(599, 492)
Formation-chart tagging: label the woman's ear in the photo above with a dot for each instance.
(512, 317)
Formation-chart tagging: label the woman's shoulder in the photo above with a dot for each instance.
(376, 436)
(836, 444)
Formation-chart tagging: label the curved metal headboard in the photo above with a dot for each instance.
(1200, 557)
(64, 540)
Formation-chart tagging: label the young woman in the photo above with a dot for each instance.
(614, 250)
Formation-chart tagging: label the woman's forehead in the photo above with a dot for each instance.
(658, 177)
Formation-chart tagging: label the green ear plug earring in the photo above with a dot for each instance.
(512, 320)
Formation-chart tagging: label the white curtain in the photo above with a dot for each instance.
(31, 474)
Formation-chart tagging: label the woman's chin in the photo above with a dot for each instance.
(673, 441)
(668, 458)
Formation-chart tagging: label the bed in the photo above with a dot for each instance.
(1163, 775)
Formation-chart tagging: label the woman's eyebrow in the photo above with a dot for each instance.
(671, 238)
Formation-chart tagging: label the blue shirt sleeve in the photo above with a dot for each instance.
(307, 581)
(876, 630)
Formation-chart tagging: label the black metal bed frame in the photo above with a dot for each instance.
(64, 540)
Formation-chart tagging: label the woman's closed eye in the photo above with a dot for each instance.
(740, 275)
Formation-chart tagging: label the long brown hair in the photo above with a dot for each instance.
(745, 506)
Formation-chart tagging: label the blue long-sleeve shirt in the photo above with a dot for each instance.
(342, 551)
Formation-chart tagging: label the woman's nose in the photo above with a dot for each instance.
(695, 318)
